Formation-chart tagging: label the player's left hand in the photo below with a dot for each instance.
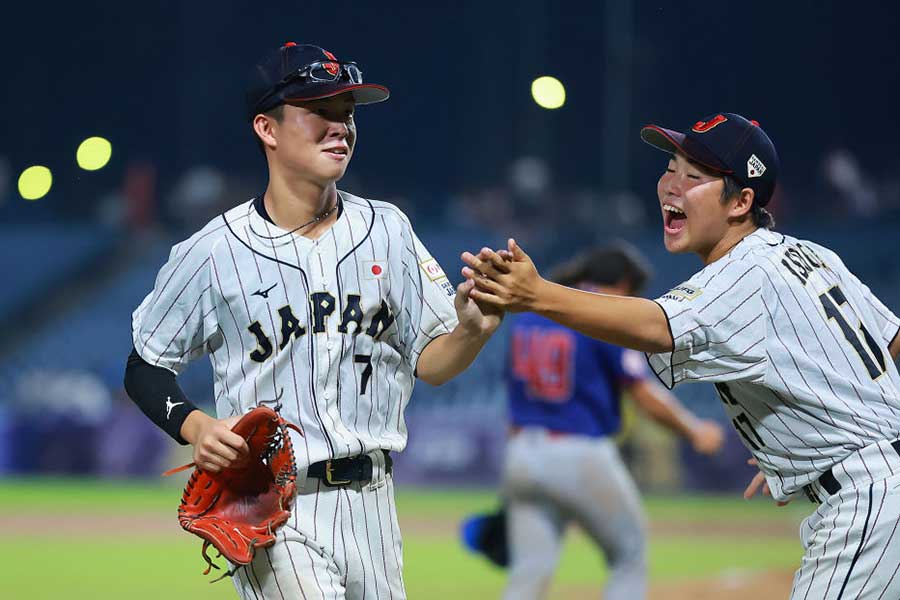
(759, 482)
(477, 318)
(506, 279)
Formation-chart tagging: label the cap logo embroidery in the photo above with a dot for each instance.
(703, 127)
(755, 167)
(331, 67)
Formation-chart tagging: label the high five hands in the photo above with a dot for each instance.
(506, 279)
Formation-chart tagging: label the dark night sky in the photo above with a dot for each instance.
(164, 81)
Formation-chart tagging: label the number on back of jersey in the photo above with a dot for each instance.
(544, 361)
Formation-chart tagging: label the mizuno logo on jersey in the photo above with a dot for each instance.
(683, 292)
(264, 293)
(322, 306)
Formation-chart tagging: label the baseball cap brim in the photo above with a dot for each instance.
(363, 93)
(671, 142)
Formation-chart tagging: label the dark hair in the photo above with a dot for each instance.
(761, 217)
(607, 265)
(276, 113)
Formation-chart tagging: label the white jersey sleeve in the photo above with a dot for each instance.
(177, 321)
(428, 297)
(718, 327)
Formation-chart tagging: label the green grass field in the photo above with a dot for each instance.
(71, 539)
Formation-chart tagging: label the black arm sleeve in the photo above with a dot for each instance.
(158, 395)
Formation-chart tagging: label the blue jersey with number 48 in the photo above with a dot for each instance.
(564, 381)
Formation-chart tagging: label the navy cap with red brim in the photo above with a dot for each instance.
(363, 93)
(267, 89)
(726, 143)
(671, 142)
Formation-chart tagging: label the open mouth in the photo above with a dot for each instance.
(673, 218)
(337, 153)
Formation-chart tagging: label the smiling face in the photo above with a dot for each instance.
(694, 217)
(314, 140)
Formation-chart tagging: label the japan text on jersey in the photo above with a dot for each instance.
(329, 328)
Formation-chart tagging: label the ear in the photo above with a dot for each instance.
(742, 203)
(266, 129)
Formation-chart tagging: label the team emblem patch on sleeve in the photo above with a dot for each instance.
(374, 269)
(755, 167)
(432, 269)
(682, 292)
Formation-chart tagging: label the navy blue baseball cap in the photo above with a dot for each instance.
(297, 72)
(726, 143)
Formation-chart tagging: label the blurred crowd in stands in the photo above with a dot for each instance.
(71, 284)
(526, 200)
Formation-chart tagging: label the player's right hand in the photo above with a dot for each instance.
(506, 279)
(215, 446)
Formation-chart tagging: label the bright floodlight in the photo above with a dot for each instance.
(93, 153)
(35, 182)
(548, 92)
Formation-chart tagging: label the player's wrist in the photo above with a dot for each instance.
(542, 299)
(192, 424)
(472, 331)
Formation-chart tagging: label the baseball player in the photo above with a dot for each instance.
(798, 348)
(322, 304)
(561, 464)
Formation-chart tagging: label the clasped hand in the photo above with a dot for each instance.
(506, 279)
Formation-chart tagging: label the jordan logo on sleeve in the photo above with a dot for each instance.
(170, 405)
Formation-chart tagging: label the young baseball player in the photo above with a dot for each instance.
(562, 466)
(799, 349)
(318, 302)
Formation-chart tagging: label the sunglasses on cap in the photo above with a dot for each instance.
(321, 71)
(324, 71)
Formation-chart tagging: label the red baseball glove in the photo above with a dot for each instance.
(238, 510)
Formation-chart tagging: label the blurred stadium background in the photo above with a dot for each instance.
(466, 149)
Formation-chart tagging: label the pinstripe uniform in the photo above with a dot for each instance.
(331, 329)
(797, 348)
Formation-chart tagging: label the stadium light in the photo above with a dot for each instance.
(35, 182)
(548, 92)
(93, 153)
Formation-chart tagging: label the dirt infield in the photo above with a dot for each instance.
(85, 524)
(746, 586)
(158, 524)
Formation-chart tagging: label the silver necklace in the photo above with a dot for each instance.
(315, 220)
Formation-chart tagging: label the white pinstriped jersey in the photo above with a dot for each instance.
(797, 348)
(330, 328)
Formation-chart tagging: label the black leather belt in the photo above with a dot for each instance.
(830, 484)
(343, 471)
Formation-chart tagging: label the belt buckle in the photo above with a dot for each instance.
(329, 475)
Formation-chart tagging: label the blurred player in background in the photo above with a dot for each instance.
(798, 347)
(562, 465)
